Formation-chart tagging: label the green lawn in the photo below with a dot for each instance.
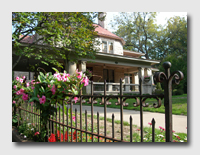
(179, 105)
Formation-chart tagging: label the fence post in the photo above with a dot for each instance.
(167, 78)
(168, 102)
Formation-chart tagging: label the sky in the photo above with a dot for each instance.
(161, 18)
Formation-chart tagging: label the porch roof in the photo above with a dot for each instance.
(121, 60)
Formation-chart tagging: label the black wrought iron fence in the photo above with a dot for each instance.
(73, 126)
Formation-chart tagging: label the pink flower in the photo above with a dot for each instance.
(75, 99)
(65, 77)
(21, 91)
(27, 84)
(18, 93)
(17, 78)
(57, 76)
(38, 96)
(37, 133)
(150, 123)
(79, 74)
(32, 82)
(23, 77)
(53, 89)
(21, 80)
(32, 87)
(43, 99)
(15, 87)
(85, 81)
(25, 97)
(14, 102)
(74, 118)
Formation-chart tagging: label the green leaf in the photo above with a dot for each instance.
(55, 69)
(45, 63)
(34, 99)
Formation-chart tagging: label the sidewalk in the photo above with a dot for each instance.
(179, 122)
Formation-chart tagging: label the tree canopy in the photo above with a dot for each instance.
(165, 43)
(55, 35)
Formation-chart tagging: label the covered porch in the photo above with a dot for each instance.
(112, 68)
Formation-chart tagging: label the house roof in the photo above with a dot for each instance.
(105, 33)
(100, 30)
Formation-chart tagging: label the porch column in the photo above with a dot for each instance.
(82, 66)
(71, 67)
(141, 75)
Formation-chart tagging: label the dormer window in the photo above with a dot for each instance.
(104, 46)
(107, 47)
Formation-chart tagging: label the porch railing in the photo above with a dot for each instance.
(113, 88)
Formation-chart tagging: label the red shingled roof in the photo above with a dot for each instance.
(107, 34)
(101, 32)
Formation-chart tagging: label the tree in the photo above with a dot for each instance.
(138, 30)
(177, 63)
(56, 35)
(173, 38)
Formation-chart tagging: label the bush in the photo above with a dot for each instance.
(158, 92)
(177, 92)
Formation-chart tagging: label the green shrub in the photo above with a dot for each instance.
(177, 92)
(158, 92)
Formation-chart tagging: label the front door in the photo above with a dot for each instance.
(108, 75)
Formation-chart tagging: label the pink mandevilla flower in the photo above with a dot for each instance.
(42, 99)
(21, 80)
(58, 76)
(27, 84)
(37, 133)
(65, 77)
(74, 118)
(15, 87)
(23, 77)
(32, 82)
(17, 78)
(18, 93)
(14, 102)
(79, 74)
(25, 97)
(53, 89)
(21, 91)
(85, 81)
(75, 99)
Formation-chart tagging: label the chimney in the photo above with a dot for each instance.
(102, 23)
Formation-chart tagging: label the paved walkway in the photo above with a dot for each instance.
(179, 121)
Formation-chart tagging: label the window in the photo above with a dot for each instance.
(110, 45)
(107, 47)
(104, 46)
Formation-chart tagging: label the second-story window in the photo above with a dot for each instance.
(104, 46)
(107, 47)
(110, 45)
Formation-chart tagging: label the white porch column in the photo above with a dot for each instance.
(71, 68)
(82, 66)
(141, 75)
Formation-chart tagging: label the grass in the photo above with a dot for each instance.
(179, 105)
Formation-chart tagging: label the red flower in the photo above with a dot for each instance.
(74, 135)
(52, 138)
(58, 134)
(66, 136)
